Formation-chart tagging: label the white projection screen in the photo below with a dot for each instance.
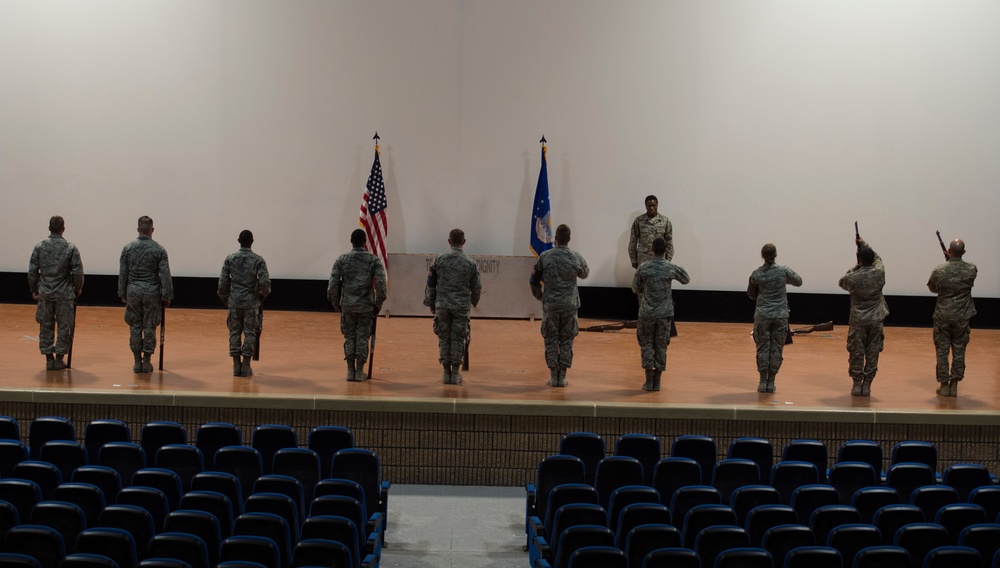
(753, 121)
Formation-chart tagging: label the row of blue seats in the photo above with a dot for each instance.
(591, 448)
(266, 438)
(338, 513)
(598, 556)
(641, 527)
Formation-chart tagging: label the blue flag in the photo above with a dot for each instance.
(541, 213)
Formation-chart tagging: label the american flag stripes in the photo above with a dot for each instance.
(373, 219)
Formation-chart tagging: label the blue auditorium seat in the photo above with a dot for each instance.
(100, 432)
(269, 438)
(326, 441)
(155, 435)
(758, 450)
(47, 428)
(117, 544)
(587, 446)
(213, 436)
(701, 449)
(672, 473)
(810, 451)
(643, 447)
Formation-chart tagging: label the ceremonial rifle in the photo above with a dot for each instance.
(163, 331)
(944, 249)
(465, 356)
(825, 326)
(371, 347)
(260, 331)
(72, 336)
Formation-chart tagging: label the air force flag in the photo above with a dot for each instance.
(541, 213)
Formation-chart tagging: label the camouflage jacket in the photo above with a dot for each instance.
(553, 281)
(244, 280)
(865, 284)
(652, 284)
(143, 268)
(357, 282)
(55, 271)
(952, 282)
(767, 286)
(644, 232)
(453, 282)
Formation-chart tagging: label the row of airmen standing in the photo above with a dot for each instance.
(357, 289)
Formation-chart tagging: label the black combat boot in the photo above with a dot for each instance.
(236, 365)
(147, 363)
(866, 387)
(137, 367)
(456, 374)
(648, 385)
(359, 372)
(59, 364)
(656, 379)
(856, 387)
(762, 385)
(50, 362)
(245, 370)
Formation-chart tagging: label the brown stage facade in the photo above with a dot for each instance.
(493, 429)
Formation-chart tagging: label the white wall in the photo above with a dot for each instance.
(753, 121)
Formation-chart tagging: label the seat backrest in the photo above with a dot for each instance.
(214, 503)
(12, 452)
(212, 436)
(691, 496)
(180, 546)
(362, 466)
(764, 517)
(920, 538)
(701, 449)
(221, 482)
(758, 450)
(317, 552)
(643, 447)
(337, 529)
(643, 539)
(614, 472)
(243, 463)
(64, 517)
(567, 494)
(46, 475)
(345, 487)
(748, 497)
(890, 518)
(703, 516)
(22, 494)
(713, 540)
(587, 446)
(65, 455)
(124, 457)
(882, 557)
(200, 523)
(326, 441)
(957, 516)
(117, 544)
(930, 498)
(277, 504)
(594, 556)
(9, 518)
(787, 476)
(732, 473)
(866, 451)
(745, 558)
(341, 506)
(106, 478)
(915, 451)
(157, 434)
(137, 521)
(79, 560)
(573, 515)
(267, 525)
(781, 539)
(825, 518)
(301, 464)
(815, 557)
(984, 537)
(577, 537)
(628, 495)
(848, 477)
(269, 438)
(811, 451)
(808, 498)
(9, 428)
(868, 500)
(100, 432)
(965, 477)
(672, 473)
(150, 499)
(285, 485)
(87, 496)
(163, 479)
(43, 543)
(852, 537)
(183, 459)
(251, 548)
(672, 558)
(637, 514)
(47, 428)
(988, 498)
(948, 556)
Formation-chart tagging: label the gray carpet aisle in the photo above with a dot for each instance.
(441, 526)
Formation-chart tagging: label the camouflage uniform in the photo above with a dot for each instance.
(952, 282)
(865, 339)
(558, 268)
(452, 287)
(644, 232)
(770, 318)
(144, 282)
(352, 279)
(656, 309)
(55, 273)
(243, 283)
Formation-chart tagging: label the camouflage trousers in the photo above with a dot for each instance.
(143, 312)
(452, 328)
(559, 329)
(654, 337)
(769, 335)
(951, 337)
(864, 343)
(243, 322)
(53, 314)
(357, 330)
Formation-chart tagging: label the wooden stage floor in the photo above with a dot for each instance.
(708, 365)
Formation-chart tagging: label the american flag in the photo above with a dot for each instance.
(373, 218)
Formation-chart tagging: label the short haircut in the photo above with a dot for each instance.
(659, 246)
(456, 236)
(653, 197)
(866, 256)
(562, 234)
(145, 224)
(246, 237)
(358, 237)
(56, 224)
(769, 252)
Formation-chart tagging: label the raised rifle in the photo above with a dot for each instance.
(857, 235)
(944, 249)
(163, 331)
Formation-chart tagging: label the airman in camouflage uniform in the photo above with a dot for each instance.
(453, 286)
(647, 227)
(865, 339)
(553, 281)
(952, 282)
(145, 287)
(656, 310)
(243, 284)
(357, 290)
(770, 319)
(55, 279)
